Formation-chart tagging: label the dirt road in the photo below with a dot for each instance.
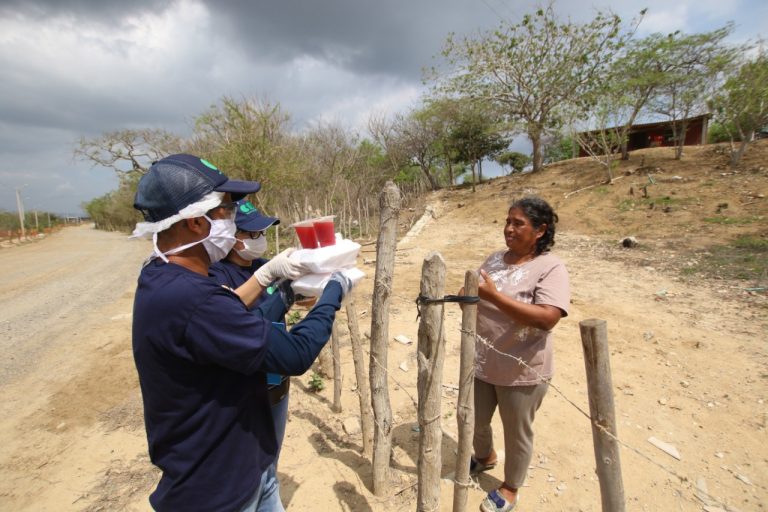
(689, 367)
(65, 305)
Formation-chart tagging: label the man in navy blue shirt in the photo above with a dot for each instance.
(201, 355)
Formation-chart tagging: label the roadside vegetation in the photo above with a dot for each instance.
(34, 222)
(565, 86)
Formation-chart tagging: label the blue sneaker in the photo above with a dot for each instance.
(495, 502)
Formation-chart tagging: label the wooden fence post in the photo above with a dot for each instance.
(325, 361)
(363, 391)
(594, 340)
(389, 208)
(430, 382)
(465, 409)
(335, 349)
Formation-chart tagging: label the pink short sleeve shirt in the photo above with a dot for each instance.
(543, 280)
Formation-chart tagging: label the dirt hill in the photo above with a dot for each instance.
(697, 216)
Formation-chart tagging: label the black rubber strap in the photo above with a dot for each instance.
(463, 299)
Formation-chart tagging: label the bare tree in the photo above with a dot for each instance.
(128, 152)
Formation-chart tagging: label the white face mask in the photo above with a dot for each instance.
(253, 248)
(218, 243)
(220, 239)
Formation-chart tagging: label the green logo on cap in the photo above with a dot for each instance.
(247, 208)
(210, 165)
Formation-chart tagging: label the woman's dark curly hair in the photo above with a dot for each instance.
(539, 212)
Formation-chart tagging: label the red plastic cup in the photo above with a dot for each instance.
(326, 235)
(306, 233)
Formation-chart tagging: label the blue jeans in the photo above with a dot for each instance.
(280, 417)
(267, 495)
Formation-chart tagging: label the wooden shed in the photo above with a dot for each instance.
(651, 135)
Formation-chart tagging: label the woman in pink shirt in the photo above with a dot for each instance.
(523, 294)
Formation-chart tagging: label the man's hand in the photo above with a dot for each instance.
(279, 267)
(346, 283)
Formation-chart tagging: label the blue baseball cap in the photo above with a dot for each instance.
(177, 181)
(249, 218)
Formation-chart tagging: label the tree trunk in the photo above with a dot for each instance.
(474, 173)
(363, 389)
(480, 170)
(389, 206)
(430, 382)
(538, 156)
(681, 141)
(736, 155)
(465, 411)
(608, 172)
(628, 127)
(432, 182)
(450, 170)
(624, 150)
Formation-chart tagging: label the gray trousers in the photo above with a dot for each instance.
(517, 408)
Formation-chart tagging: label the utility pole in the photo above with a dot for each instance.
(37, 226)
(20, 209)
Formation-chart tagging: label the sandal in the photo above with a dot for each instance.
(495, 502)
(475, 466)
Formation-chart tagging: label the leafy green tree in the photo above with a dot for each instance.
(559, 146)
(637, 74)
(531, 71)
(114, 210)
(515, 160)
(719, 132)
(418, 136)
(741, 106)
(476, 133)
(693, 65)
(248, 138)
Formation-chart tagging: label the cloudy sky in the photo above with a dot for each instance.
(78, 68)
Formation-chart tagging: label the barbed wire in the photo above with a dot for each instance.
(601, 428)
(707, 498)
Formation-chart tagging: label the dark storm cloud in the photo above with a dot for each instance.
(107, 11)
(396, 37)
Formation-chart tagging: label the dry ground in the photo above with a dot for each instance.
(688, 349)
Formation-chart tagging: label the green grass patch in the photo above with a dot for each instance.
(752, 243)
(626, 205)
(745, 258)
(727, 221)
(600, 190)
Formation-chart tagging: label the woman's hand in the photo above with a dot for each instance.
(486, 288)
(541, 316)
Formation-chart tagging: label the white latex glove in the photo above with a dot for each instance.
(279, 267)
(346, 283)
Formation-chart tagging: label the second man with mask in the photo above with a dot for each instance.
(236, 268)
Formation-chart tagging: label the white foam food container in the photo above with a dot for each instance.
(312, 285)
(324, 260)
